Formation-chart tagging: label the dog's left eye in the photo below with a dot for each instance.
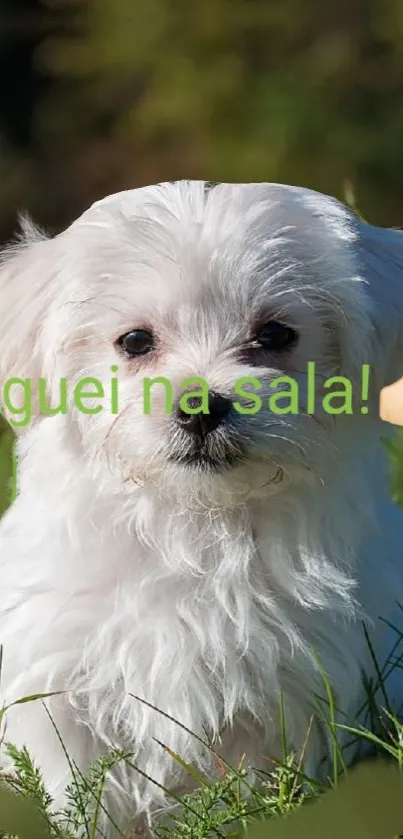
(275, 336)
(136, 342)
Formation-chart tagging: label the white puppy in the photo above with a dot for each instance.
(207, 566)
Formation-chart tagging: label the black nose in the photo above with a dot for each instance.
(202, 423)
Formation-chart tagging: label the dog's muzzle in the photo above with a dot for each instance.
(208, 441)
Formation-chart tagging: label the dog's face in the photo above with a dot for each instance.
(179, 282)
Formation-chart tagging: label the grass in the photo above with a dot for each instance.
(224, 806)
(228, 804)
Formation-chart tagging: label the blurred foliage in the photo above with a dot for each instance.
(20, 817)
(395, 449)
(6, 470)
(127, 92)
(367, 805)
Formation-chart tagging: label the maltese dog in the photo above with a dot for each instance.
(191, 582)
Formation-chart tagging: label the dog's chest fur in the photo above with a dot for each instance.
(163, 621)
(208, 622)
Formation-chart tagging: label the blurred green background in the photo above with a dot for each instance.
(98, 95)
(101, 95)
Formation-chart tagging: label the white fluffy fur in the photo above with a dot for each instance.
(126, 575)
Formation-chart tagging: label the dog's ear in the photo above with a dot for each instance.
(381, 262)
(26, 273)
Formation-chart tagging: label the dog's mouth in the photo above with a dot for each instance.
(206, 462)
(213, 453)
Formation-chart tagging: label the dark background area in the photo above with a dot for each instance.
(101, 95)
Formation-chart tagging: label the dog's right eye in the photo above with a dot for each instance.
(136, 342)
